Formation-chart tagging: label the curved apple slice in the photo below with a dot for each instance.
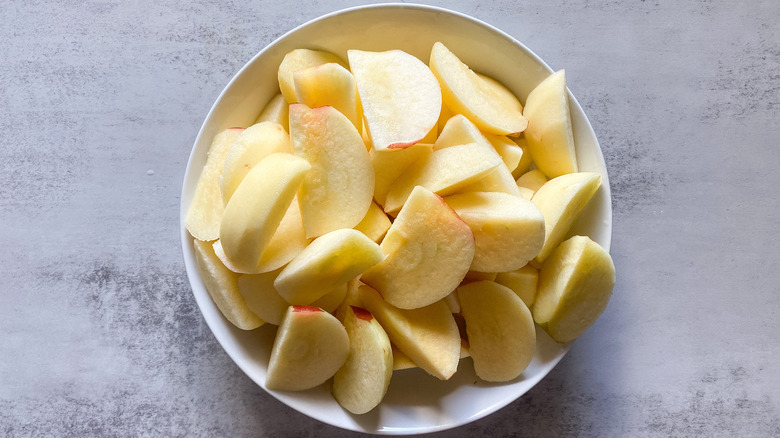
(329, 84)
(501, 332)
(429, 335)
(301, 59)
(362, 382)
(310, 346)
(401, 97)
(508, 230)
(276, 111)
(207, 207)
(549, 132)
(561, 200)
(575, 284)
(329, 261)
(257, 207)
(466, 93)
(429, 250)
(255, 143)
(221, 283)
(338, 190)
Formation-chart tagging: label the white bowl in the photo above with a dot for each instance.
(415, 402)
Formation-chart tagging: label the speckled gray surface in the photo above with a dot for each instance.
(100, 103)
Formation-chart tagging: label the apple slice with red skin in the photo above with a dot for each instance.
(310, 346)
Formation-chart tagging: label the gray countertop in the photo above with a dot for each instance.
(100, 103)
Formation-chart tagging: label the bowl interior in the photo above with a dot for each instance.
(415, 402)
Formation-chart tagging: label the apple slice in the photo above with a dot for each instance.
(466, 93)
(508, 230)
(255, 143)
(508, 149)
(402, 361)
(499, 179)
(500, 328)
(375, 224)
(533, 180)
(429, 250)
(459, 130)
(362, 382)
(526, 160)
(276, 111)
(401, 98)
(332, 299)
(389, 164)
(329, 84)
(561, 200)
(301, 59)
(257, 207)
(310, 346)
(522, 281)
(549, 132)
(288, 241)
(205, 213)
(502, 93)
(428, 336)
(337, 192)
(329, 261)
(444, 172)
(221, 284)
(261, 297)
(575, 284)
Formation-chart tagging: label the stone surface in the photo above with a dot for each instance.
(100, 103)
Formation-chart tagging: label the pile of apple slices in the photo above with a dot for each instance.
(387, 214)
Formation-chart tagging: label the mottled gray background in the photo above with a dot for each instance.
(100, 102)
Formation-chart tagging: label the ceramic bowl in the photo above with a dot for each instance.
(415, 402)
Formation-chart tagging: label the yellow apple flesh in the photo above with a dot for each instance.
(522, 281)
(255, 143)
(205, 213)
(362, 382)
(329, 261)
(561, 200)
(429, 250)
(310, 346)
(549, 134)
(338, 190)
(500, 328)
(428, 336)
(508, 230)
(329, 84)
(257, 207)
(400, 96)
(575, 284)
(466, 93)
(276, 110)
(221, 284)
(301, 59)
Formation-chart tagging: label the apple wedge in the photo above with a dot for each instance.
(533, 180)
(221, 284)
(444, 172)
(508, 230)
(561, 200)
(508, 149)
(276, 111)
(500, 328)
(526, 160)
(523, 282)
(575, 284)
(466, 93)
(375, 224)
(389, 164)
(362, 382)
(288, 241)
(205, 213)
(401, 98)
(329, 261)
(329, 84)
(459, 130)
(301, 59)
(429, 250)
(310, 346)
(498, 179)
(257, 207)
(261, 297)
(428, 336)
(549, 132)
(338, 190)
(252, 145)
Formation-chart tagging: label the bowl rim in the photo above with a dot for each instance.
(191, 267)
